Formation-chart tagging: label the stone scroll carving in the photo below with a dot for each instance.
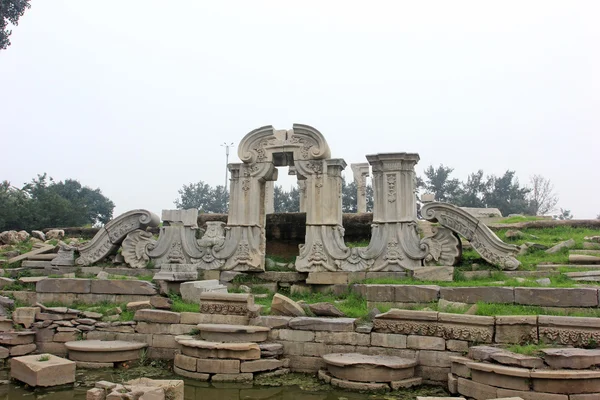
(483, 240)
(134, 246)
(110, 236)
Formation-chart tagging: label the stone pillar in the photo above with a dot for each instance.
(361, 172)
(302, 194)
(395, 243)
(324, 241)
(269, 197)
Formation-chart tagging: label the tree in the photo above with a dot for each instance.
(44, 203)
(505, 194)
(285, 201)
(202, 196)
(438, 182)
(564, 215)
(473, 191)
(10, 12)
(542, 198)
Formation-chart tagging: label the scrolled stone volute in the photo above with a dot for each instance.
(484, 241)
(134, 246)
(110, 236)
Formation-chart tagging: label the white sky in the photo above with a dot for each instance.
(135, 97)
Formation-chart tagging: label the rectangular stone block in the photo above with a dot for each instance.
(273, 321)
(63, 337)
(416, 294)
(530, 395)
(158, 316)
(389, 340)
(260, 365)
(351, 338)
(58, 349)
(557, 297)
(110, 286)
(216, 366)
(471, 295)
(292, 335)
(164, 341)
(327, 278)
(323, 324)
(62, 285)
(379, 293)
(309, 349)
(51, 372)
(459, 367)
(516, 329)
(198, 318)
(426, 342)
(502, 381)
(185, 362)
(246, 377)
(435, 273)
(460, 346)
(162, 353)
(436, 358)
(306, 364)
(435, 374)
(476, 390)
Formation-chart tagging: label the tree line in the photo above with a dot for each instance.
(46, 203)
(503, 192)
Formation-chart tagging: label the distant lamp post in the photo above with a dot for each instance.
(227, 146)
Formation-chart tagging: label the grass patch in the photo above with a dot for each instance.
(181, 306)
(528, 349)
(519, 218)
(362, 243)
(44, 357)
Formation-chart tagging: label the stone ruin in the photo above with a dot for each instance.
(239, 245)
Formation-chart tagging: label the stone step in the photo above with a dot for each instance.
(233, 333)
(36, 264)
(191, 291)
(42, 257)
(204, 349)
(571, 358)
(364, 368)
(99, 351)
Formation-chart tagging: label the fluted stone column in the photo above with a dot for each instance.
(269, 197)
(360, 171)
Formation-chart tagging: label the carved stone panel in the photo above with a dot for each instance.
(134, 246)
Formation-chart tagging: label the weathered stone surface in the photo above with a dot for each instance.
(426, 343)
(471, 295)
(518, 360)
(123, 287)
(359, 386)
(460, 346)
(364, 368)
(25, 316)
(17, 338)
(327, 278)
(191, 291)
(571, 358)
(162, 303)
(158, 316)
(196, 318)
(325, 310)
(273, 321)
(192, 375)
(516, 329)
(93, 365)
(233, 333)
(139, 305)
(567, 244)
(238, 304)
(323, 324)
(214, 366)
(444, 274)
(246, 377)
(557, 297)
(34, 371)
(282, 305)
(61, 285)
(104, 351)
(204, 349)
(566, 381)
(530, 395)
(22, 349)
(476, 390)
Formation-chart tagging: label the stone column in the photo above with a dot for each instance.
(302, 194)
(269, 197)
(361, 172)
(395, 243)
(324, 241)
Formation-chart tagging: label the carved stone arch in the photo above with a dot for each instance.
(266, 143)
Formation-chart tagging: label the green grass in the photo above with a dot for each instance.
(44, 357)
(528, 349)
(181, 306)
(362, 243)
(517, 219)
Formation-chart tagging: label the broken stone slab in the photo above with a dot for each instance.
(205, 349)
(174, 389)
(233, 333)
(567, 244)
(282, 305)
(364, 368)
(130, 287)
(17, 338)
(177, 273)
(571, 358)
(442, 274)
(25, 316)
(517, 360)
(160, 302)
(59, 285)
(268, 350)
(42, 370)
(191, 291)
(139, 305)
(157, 316)
(104, 351)
(323, 324)
(557, 297)
(41, 250)
(325, 310)
(65, 256)
(483, 353)
(22, 349)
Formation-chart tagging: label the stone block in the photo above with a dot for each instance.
(327, 278)
(306, 364)
(416, 294)
(198, 318)
(95, 394)
(158, 316)
(214, 366)
(432, 374)
(432, 358)
(516, 329)
(557, 297)
(499, 380)
(22, 349)
(359, 386)
(308, 349)
(471, 295)
(241, 378)
(476, 390)
(63, 337)
(164, 341)
(57, 349)
(123, 287)
(460, 346)
(203, 349)
(25, 316)
(323, 324)
(530, 395)
(458, 367)
(425, 342)
(61, 285)
(42, 370)
(406, 383)
(452, 383)
(274, 321)
(191, 291)
(139, 305)
(160, 353)
(443, 273)
(351, 338)
(389, 340)
(282, 305)
(260, 365)
(192, 375)
(380, 293)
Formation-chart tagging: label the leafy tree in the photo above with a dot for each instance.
(542, 198)
(437, 181)
(202, 196)
(285, 201)
(505, 194)
(349, 196)
(44, 203)
(564, 215)
(10, 12)
(473, 191)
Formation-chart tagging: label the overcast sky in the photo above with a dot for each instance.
(135, 97)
